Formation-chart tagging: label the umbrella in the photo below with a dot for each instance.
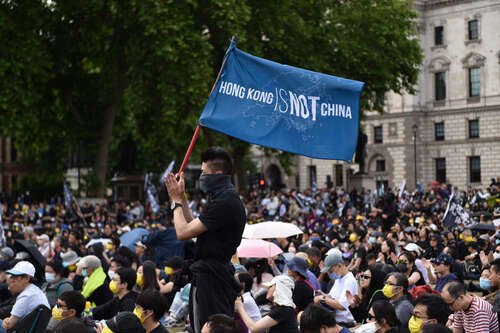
(36, 258)
(104, 241)
(483, 227)
(129, 239)
(257, 248)
(270, 229)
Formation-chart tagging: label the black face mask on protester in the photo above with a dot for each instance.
(209, 182)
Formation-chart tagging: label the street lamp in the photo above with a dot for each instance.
(415, 128)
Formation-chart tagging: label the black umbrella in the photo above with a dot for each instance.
(483, 227)
(36, 258)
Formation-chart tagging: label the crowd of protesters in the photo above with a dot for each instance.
(366, 261)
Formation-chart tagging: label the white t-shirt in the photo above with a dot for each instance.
(338, 292)
(251, 307)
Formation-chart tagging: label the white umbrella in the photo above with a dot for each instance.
(104, 241)
(270, 229)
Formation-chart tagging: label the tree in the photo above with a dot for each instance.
(97, 71)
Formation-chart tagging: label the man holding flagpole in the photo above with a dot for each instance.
(218, 231)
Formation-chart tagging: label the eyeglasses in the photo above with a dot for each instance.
(366, 277)
(454, 300)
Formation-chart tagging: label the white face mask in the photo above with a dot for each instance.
(366, 328)
(496, 255)
(111, 274)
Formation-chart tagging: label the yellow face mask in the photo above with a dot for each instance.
(106, 330)
(139, 280)
(113, 286)
(415, 324)
(309, 262)
(139, 314)
(353, 237)
(72, 268)
(57, 313)
(469, 239)
(388, 291)
(169, 270)
(109, 246)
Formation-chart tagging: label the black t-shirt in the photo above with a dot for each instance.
(160, 329)
(303, 295)
(225, 218)
(361, 253)
(286, 318)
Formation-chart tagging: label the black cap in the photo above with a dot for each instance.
(5, 265)
(125, 322)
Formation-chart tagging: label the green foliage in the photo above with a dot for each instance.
(145, 67)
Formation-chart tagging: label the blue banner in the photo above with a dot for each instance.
(285, 107)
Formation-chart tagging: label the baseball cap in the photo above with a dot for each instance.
(7, 252)
(90, 261)
(334, 258)
(443, 258)
(125, 322)
(412, 247)
(22, 268)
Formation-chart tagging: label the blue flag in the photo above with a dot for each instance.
(284, 107)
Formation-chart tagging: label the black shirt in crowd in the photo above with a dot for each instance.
(225, 218)
(286, 318)
(303, 294)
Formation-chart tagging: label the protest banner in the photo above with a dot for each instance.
(283, 107)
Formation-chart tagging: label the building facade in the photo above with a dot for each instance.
(449, 131)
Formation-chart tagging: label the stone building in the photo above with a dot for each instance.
(453, 120)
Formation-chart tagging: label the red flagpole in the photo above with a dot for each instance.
(197, 130)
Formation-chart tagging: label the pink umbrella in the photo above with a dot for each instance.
(257, 248)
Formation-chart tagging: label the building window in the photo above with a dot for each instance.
(475, 169)
(474, 128)
(339, 175)
(474, 81)
(378, 137)
(441, 170)
(380, 166)
(440, 84)
(473, 30)
(312, 176)
(439, 131)
(438, 35)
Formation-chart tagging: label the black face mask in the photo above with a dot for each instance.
(209, 182)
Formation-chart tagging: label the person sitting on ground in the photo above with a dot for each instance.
(303, 291)
(70, 305)
(124, 299)
(384, 316)
(317, 319)
(249, 303)
(443, 264)
(150, 306)
(28, 295)
(57, 283)
(344, 282)
(371, 283)
(428, 309)
(396, 290)
(220, 323)
(96, 288)
(282, 317)
(471, 313)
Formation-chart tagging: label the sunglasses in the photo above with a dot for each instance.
(401, 262)
(366, 277)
